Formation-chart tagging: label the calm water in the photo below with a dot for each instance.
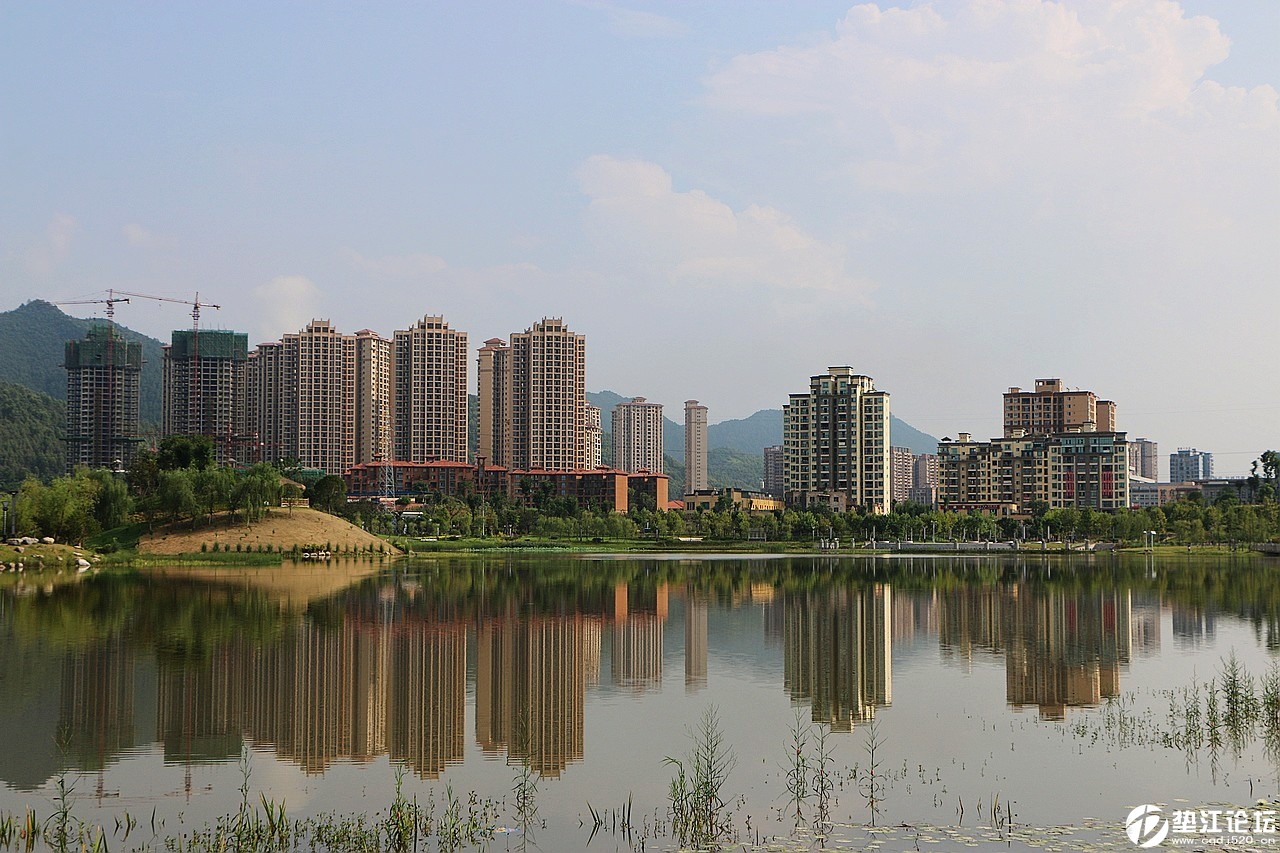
(1040, 682)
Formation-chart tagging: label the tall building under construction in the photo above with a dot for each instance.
(204, 384)
(103, 385)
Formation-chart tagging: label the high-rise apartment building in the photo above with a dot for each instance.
(774, 482)
(320, 417)
(902, 466)
(430, 392)
(637, 435)
(695, 446)
(1051, 408)
(595, 436)
(103, 386)
(533, 398)
(373, 397)
(1144, 459)
(835, 443)
(302, 398)
(924, 475)
(1190, 464)
(204, 390)
(264, 412)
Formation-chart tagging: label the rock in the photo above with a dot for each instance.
(82, 564)
(47, 540)
(20, 548)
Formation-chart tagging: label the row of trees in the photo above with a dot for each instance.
(1185, 522)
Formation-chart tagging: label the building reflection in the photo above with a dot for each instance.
(695, 641)
(837, 652)
(531, 682)
(96, 706)
(1061, 649)
(636, 633)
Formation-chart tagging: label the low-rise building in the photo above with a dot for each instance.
(739, 499)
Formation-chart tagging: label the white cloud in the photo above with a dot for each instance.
(644, 225)
(285, 304)
(49, 253)
(1076, 97)
(412, 266)
(138, 236)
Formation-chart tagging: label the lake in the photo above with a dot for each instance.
(1026, 702)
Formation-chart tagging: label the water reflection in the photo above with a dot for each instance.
(382, 666)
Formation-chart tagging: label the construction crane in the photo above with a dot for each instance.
(196, 305)
(110, 302)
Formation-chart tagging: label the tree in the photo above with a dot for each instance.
(328, 492)
(184, 451)
(113, 504)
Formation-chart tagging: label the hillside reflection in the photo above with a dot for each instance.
(384, 665)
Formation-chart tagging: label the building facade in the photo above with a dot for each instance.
(373, 399)
(104, 373)
(774, 483)
(1190, 464)
(430, 392)
(595, 436)
(1144, 459)
(204, 390)
(533, 398)
(835, 441)
(1051, 408)
(695, 446)
(903, 473)
(637, 435)
(1007, 476)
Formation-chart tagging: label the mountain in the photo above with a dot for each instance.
(33, 339)
(748, 435)
(31, 424)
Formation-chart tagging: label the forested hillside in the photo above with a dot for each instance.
(33, 340)
(30, 426)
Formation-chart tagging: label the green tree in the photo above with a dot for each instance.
(328, 493)
(184, 451)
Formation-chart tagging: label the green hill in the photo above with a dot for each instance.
(31, 424)
(33, 338)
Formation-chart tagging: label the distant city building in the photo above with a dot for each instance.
(430, 392)
(695, 446)
(204, 390)
(1145, 493)
(925, 470)
(103, 393)
(902, 466)
(374, 403)
(533, 398)
(1144, 459)
(637, 435)
(1190, 464)
(264, 409)
(835, 443)
(774, 482)
(923, 495)
(595, 436)
(1051, 409)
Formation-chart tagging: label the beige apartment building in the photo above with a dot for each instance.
(430, 392)
(1051, 408)
(533, 398)
(902, 464)
(264, 412)
(373, 397)
(835, 442)
(637, 435)
(695, 447)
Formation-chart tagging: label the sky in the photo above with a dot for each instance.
(725, 197)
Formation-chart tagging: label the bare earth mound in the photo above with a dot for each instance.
(282, 529)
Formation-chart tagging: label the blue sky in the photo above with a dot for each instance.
(954, 198)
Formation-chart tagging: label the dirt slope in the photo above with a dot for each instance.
(282, 528)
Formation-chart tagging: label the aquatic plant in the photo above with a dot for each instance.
(700, 815)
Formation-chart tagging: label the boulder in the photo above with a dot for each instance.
(47, 540)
